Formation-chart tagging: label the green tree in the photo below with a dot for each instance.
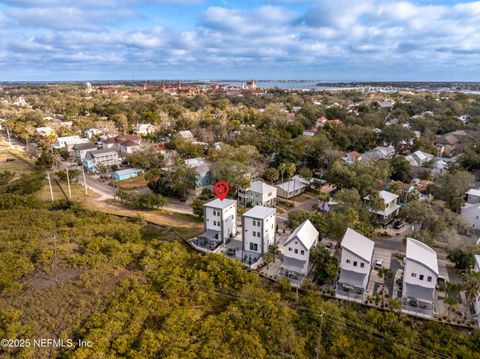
(325, 265)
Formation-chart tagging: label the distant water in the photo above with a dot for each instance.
(286, 85)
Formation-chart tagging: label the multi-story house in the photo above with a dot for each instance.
(355, 265)
(471, 210)
(258, 232)
(297, 248)
(419, 279)
(82, 149)
(258, 194)
(386, 209)
(220, 223)
(104, 157)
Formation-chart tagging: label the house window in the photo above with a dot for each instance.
(302, 252)
(296, 251)
(254, 223)
(253, 246)
(429, 279)
(362, 265)
(421, 277)
(214, 223)
(348, 260)
(355, 263)
(414, 275)
(289, 249)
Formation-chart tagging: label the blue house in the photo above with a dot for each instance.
(202, 170)
(126, 174)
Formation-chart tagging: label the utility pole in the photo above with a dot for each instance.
(84, 180)
(50, 186)
(55, 257)
(8, 135)
(68, 183)
(319, 340)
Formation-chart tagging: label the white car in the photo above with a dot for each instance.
(378, 263)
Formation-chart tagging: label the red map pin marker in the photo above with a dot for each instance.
(221, 189)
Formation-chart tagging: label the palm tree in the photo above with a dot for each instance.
(290, 168)
(386, 274)
(271, 254)
(471, 286)
(282, 168)
(451, 289)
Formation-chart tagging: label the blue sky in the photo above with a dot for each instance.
(338, 40)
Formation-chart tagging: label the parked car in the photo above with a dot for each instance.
(329, 245)
(398, 224)
(378, 263)
(441, 280)
(10, 159)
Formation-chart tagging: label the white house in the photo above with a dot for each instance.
(297, 248)
(476, 268)
(378, 153)
(471, 210)
(258, 232)
(68, 142)
(186, 135)
(297, 185)
(45, 131)
(81, 150)
(92, 132)
(419, 158)
(144, 129)
(220, 223)
(419, 279)
(355, 266)
(389, 208)
(258, 194)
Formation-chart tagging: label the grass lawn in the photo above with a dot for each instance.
(132, 183)
(185, 225)
(19, 165)
(78, 192)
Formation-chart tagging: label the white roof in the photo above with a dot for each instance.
(306, 233)
(421, 253)
(477, 260)
(473, 192)
(423, 155)
(259, 212)
(261, 187)
(186, 134)
(387, 196)
(358, 244)
(291, 185)
(195, 162)
(217, 203)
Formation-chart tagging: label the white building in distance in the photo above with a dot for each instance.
(258, 194)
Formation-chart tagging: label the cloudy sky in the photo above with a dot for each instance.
(335, 40)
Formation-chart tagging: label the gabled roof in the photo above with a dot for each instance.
(103, 151)
(84, 146)
(387, 196)
(306, 234)
(291, 185)
(259, 212)
(477, 260)
(217, 203)
(261, 187)
(358, 244)
(421, 253)
(473, 192)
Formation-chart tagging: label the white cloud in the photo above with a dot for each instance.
(366, 35)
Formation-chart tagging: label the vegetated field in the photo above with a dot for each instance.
(134, 290)
(132, 183)
(19, 165)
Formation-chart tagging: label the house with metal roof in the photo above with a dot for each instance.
(295, 186)
(258, 194)
(419, 279)
(355, 266)
(471, 209)
(387, 209)
(127, 173)
(203, 173)
(258, 232)
(297, 249)
(81, 150)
